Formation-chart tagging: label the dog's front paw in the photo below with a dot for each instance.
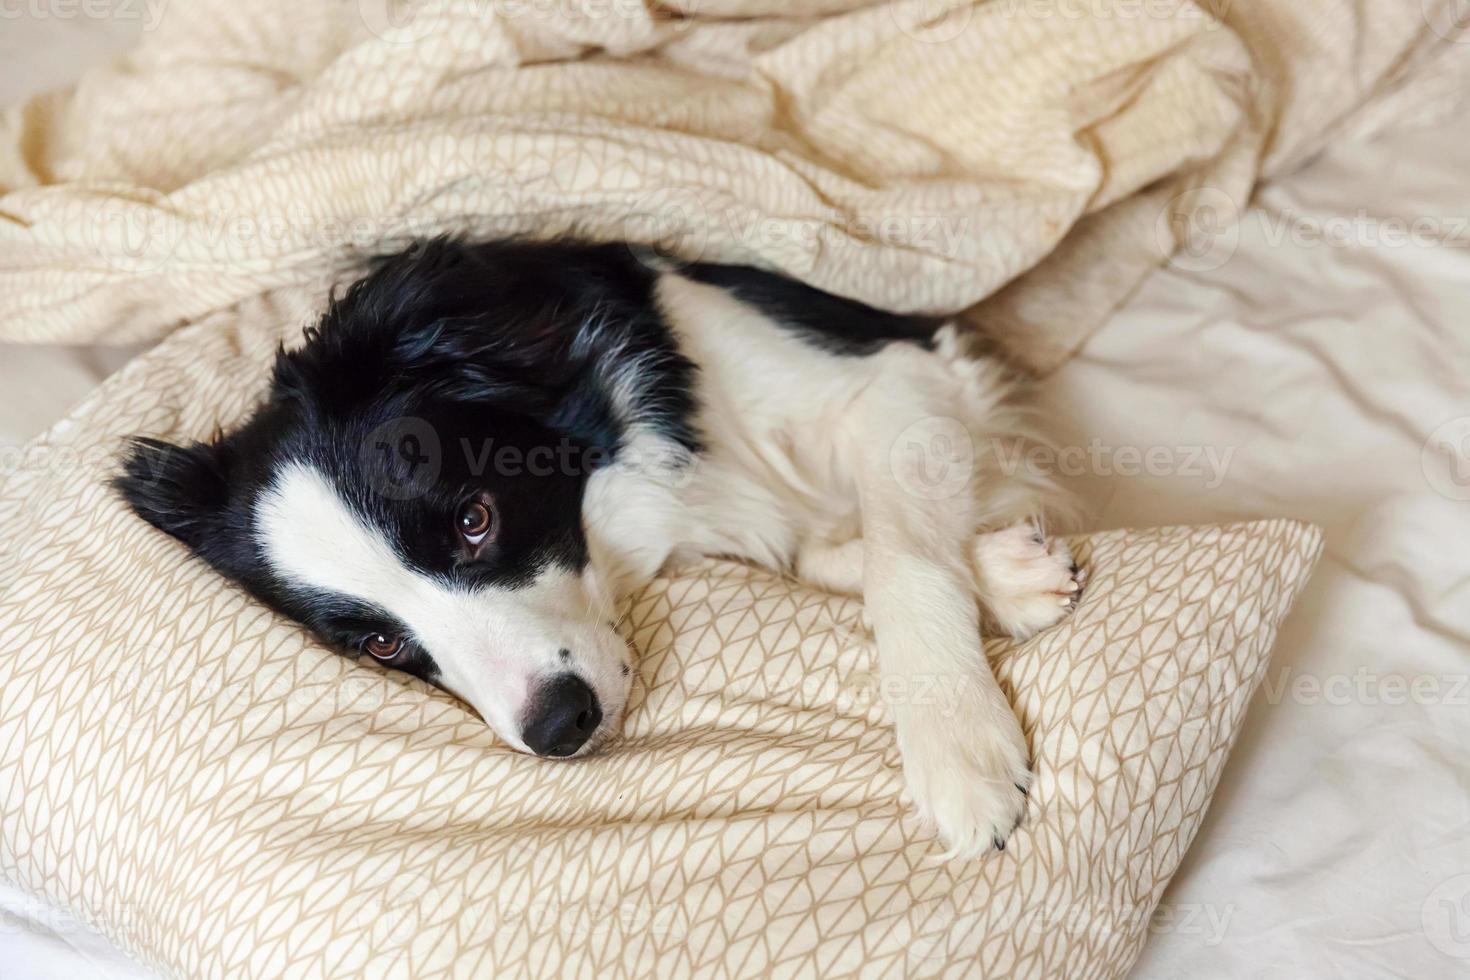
(966, 769)
(1026, 581)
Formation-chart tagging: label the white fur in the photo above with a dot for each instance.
(813, 462)
(492, 646)
(1026, 582)
(806, 468)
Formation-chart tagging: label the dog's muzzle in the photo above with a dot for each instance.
(563, 714)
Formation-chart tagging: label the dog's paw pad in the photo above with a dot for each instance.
(967, 773)
(973, 814)
(1027, 582)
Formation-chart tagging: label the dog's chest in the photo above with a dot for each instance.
(772, 473)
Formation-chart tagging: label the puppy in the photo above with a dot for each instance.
(482, 446)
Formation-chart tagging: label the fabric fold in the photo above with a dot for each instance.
(1025, 160)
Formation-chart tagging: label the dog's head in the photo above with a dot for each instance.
(412, 489)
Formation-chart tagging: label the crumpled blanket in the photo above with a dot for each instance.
(1024, 162)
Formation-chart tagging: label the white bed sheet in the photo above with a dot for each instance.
(44, 47)
(1322, 356)
(1315, 372)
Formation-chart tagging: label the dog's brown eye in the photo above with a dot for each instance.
(383, 646)
(474, 520)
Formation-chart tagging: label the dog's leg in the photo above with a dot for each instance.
(1025, 581)
(965, 759)
(834, 567)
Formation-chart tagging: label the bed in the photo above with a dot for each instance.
(1331, 365)
(40, 382)
(1309, 363)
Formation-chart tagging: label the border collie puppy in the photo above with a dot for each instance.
(481, 447)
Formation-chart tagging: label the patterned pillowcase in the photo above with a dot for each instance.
(226, 798)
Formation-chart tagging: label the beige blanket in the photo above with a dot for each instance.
(921, 155)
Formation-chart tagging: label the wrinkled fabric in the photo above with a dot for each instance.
(919, 156)
(1315, 362)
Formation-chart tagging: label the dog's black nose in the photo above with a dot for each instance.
(563, 714)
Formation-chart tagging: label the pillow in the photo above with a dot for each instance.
(226, 798)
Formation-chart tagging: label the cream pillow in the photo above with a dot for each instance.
(226, 798)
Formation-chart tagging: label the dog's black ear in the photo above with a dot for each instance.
(481, 322)
(178, 489)
(555, 332)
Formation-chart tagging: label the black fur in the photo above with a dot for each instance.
(416, 384)
(832, 323)
(450, 369)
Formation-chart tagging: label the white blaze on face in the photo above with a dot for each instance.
(492, 645)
